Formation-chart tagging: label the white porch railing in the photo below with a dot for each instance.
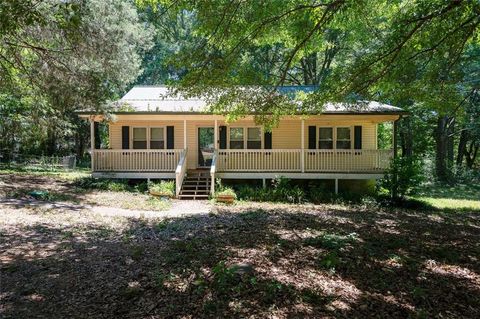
(180, 172)
(290, 160)
(347, 160)
(136, 160)
(213, 169)
(274, 160)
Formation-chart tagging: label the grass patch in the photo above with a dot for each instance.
(128, 200)
(66, 175)
(451, 203)
(331, 241)
(447, 197)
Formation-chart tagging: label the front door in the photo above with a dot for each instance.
(206, 146)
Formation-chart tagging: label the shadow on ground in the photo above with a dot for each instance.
(309, 262)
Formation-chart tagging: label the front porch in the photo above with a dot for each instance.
(247, 161)
(244, 164)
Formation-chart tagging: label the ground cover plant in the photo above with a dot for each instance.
(77, 187)
(166, 188)
(258, 260)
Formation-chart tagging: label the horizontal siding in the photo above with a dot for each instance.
(286, 136)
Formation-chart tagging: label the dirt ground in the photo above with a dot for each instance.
(248, 260)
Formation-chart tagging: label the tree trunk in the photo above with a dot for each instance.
(462, 147)
(471, 154)
(450, 143)
(406, 138)
(441, 138)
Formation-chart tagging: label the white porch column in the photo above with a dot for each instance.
(336, 185)
(215, 133)
(185, 134)
(302, 155)
(92, 142)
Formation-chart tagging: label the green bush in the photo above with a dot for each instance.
(221, 189)
(166, 188)
(107, 184)
(282, 190)
(402, 178)
(226, 191)
(319, 193)
(103, 184)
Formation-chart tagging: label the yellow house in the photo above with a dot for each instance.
(168, 137)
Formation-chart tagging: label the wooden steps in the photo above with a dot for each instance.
(196, 185)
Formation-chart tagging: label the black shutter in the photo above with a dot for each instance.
(223, 137)
(170, 138)
(312, 137)
(125, 137)
(357, 137)
(267, 140)
(96, 134)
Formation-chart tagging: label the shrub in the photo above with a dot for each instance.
(103, 184)
(318, 193)
(221, 189)
(282, 190)
(404, 175)
(227, 191)
(166, 188)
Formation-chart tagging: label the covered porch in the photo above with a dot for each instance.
(292, 150)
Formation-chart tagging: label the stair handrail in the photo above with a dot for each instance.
(213, 169)
(180, 172)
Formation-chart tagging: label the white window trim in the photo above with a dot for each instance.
(164, 136)
(245, 135)
(148, 136)
(351, 131)
(334, 136)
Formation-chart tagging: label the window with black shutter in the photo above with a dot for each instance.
(357, 137)
(125, 137)
(223, 137)
(267, 140)
(139, 138)
(325, 138)
(170, 137)
(254, 138)
(312, 137)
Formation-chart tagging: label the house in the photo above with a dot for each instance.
(167, 137)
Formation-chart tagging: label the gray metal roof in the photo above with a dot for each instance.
(157, 99)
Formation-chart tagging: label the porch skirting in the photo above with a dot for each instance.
(242, 175)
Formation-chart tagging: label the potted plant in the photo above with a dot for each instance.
(162, 189)
(226, 195)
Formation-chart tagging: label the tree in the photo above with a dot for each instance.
(408, 54)
(69, 55)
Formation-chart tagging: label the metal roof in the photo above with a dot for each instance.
(158, 99)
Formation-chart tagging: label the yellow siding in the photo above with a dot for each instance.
(286, 136)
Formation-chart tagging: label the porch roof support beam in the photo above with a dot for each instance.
(215, 133)
(184, 134)
(302, 154)
(92, 142)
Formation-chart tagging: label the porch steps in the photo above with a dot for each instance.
(196, 185)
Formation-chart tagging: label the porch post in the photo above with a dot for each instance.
(185, 134)
(302, 154)
(215, 133)
(395, 139)
(92, 142)
(336, 185)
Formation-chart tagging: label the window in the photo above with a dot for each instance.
(254, 138)
(236, 138)
(139, 137)
(157, 140)
(325, 138)
(343, 138)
